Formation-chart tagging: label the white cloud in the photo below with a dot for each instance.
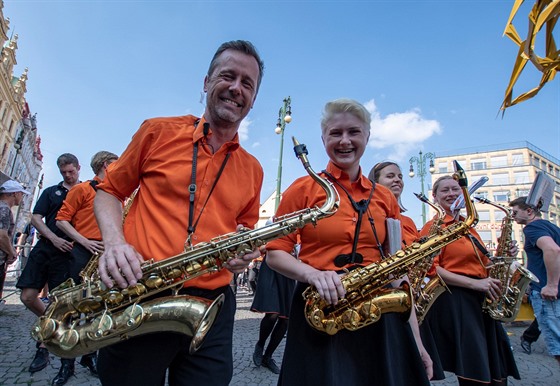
(244, 129)
(400, 132)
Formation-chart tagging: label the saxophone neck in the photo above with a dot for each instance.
(333, 200)
(461, 177)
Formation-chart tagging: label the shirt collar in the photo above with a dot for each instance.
(337, 173)
(199, 135)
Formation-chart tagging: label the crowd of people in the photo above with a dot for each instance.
(192, 181)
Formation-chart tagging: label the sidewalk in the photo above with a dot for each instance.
(17, 350)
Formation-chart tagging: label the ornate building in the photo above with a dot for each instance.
(20, 153)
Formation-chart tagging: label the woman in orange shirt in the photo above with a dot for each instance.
(388, 352)
(389, 174)
(459, 336)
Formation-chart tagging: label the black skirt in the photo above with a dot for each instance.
(464, 340)
(383, 353)
(274, 292)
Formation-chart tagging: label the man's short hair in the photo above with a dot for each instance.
(99, 159)
(67, 159)
(242, 46)
(521, 202)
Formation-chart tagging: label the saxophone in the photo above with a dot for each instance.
(86, 317)
(514, 277)
(427, 289)
(366, 294)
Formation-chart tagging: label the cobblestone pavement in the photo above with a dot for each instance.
(17, 350)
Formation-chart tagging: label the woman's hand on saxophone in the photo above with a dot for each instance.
(120, 264)
(328, 285)
(492, 287)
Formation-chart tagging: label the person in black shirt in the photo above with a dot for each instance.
(49, 260)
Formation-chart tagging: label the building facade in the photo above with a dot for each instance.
(511, 170)
(20, 153)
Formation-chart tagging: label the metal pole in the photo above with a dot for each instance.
(284, 116)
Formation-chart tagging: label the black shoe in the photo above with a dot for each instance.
(65, 372)
(90, 361)
(271, 365)
(258, 355)
(526, 346)
(40, 361)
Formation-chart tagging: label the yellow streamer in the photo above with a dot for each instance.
(543, 13)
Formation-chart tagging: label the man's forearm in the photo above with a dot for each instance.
(109, 216)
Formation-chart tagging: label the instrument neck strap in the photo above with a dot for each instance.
(192, 187)
(360, 207)
(477, 245)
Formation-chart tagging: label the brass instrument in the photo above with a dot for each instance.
(86, 317)
(366, 294)
(427, 289)
(514, 277)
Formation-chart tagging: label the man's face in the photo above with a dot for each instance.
(19, 197)
(70, 174)
(231, 88)
(521, 216)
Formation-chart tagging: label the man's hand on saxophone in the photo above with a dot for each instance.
(241, 261)
(120, 265)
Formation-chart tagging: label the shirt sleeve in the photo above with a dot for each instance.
(5, 218)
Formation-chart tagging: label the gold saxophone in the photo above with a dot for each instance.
(427, 289)
(86, 317)
(366, 294)
(514, 277)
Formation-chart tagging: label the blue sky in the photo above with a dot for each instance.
(433, 74)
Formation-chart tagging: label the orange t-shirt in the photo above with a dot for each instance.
(159, 160)
(334, 235)
(410, 232)
(77, 209)
(460, 256)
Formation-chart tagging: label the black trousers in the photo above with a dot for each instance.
(144, 360)
(532, 333)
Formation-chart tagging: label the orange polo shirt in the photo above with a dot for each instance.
(77, 209)
(334, 235)
(410, 232)
(159, 161)
(460, 256)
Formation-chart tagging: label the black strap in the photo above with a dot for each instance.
(192, 187)
(94, 184)
(360, 207)
(479, 245)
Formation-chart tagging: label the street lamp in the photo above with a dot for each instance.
(284, 116)
(421, 167)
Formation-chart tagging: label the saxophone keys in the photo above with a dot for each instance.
(114, 297)
(69, 339)
(351, 319)
(154, 281)
(135, 290)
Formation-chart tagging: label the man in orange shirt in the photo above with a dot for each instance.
(195, 183)
(76, 219)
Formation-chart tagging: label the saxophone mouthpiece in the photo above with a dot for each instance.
(421, 196)
(460, 175)
(301, 152)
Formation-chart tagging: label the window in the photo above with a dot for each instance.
(521, 192)
(517, 159)
(500, 179)
(486, 236)
(481, 194)
(499, 215)
(536, 162)
(478, 164)
(521, 177)
(483, 215)
(442, 167)
(502, 195)
(499, 161)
